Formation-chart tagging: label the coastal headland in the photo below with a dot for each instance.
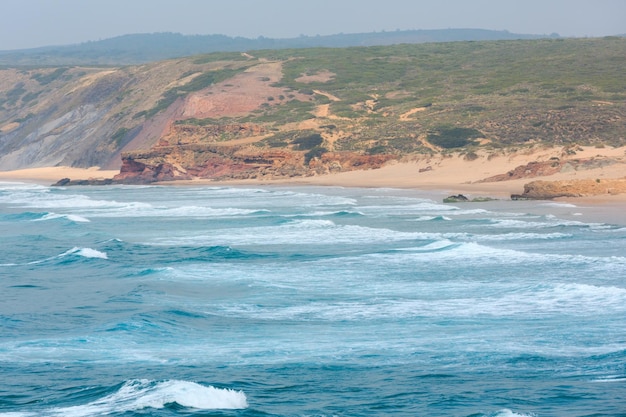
(493, 119)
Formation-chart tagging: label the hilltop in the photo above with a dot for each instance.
(141, 48)
(300, 112)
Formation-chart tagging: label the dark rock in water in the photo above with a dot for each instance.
(61, 182)
(91, 181)
(482, 199)
(460, 198)
(455, 199)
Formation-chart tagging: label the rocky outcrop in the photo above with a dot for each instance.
(460, 198)
(213, 161)
(547, 190)
(90, 181)
(550, 167)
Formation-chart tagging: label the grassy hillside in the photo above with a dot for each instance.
(401, 99)
(507, 92)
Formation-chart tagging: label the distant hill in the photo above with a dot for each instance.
(143, 48)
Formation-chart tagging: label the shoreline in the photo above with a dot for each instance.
(603, 208)
(448, 174)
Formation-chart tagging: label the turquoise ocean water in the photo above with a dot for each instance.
(277, 301)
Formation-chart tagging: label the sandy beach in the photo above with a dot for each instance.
(452, 174)
(50, 175)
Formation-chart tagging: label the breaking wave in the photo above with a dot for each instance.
(143, 394)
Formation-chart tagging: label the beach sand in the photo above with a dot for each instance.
(446, 174)
(50, 175)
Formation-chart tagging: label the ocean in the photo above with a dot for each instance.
(306, 301)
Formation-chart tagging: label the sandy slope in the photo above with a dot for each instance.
(458, 175)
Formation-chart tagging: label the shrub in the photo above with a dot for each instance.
(314, 153)
(377, 150)
(308, 142)
(119, 135)
(455, 137)
(44, 79)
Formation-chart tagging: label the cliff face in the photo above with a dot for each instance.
(82, 117)
(185, 162)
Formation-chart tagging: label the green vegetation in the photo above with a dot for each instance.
(288, 112)
(118, 136)
(14, 94)
(45, 79)
(316, 152)
(453, 137)
(308, 142)
(512, 92)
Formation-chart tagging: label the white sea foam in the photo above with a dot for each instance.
(137, 210)
(475, 254)
(610, 378)
(325, 213)
(453, 300)
(429, 218)
(137, 395)
(552, 221)
(508, 413)
(520, 236)
(555, 204)
(436, 246)
(71, 217)
(12, 186)
(73, 201)
(298, 232)
(420, 208)
(75, 251)
(89, 253)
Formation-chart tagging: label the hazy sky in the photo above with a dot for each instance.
(32, 23)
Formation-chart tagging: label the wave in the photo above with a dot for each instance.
(142, 394)
(521, 236)
(154, 254)
(473, 253)
(24, 216)
(555, 204)
(611, 378)
(71, 253)
(184, 211)
(340, 213)
(463, 300)
(85, 253)
(507, 413)
(432, 218)
(299, 232)
(437, 246)
(420, 207)
(71, 217)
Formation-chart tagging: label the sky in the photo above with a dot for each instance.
(34, 23)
